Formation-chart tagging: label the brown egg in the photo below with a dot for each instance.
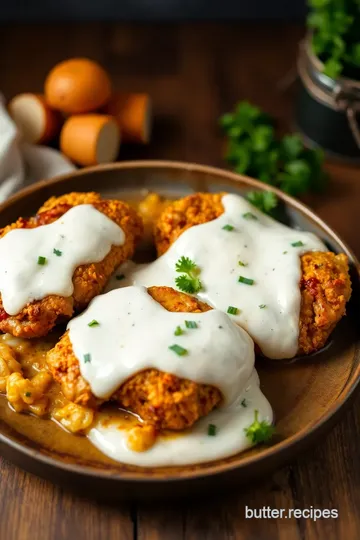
(36, 121)
(133, 115)
(77, 86)
(89, 139)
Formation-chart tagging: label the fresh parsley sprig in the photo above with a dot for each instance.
(335, 35)
(259, 432)
(189, 281)
(254, 149)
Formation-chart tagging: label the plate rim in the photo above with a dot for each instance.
(213, 468)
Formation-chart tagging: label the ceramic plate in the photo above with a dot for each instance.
(307, 395)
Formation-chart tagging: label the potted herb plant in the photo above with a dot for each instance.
(328, 106)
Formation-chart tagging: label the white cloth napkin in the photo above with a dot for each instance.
(22, 163)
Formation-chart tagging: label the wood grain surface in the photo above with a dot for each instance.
(194, 72)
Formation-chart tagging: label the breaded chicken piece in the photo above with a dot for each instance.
(37, 318)
(185, 213)
(325, 284)
(325, 289)
(72, 199)
(160, 399)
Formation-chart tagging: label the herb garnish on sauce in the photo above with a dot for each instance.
(246, 281)
(259, 432)
(180, 351)
(188, 281)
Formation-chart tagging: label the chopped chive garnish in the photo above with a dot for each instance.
(246, 280)
(262, 306)
(57, 252)
(241, 263)
(41, 260)
(284, 252)
(119, 277)
(178, 331)
(93, 323)
(190, 324)
(87, 358)
(211, 430)
(243, 403)
(299, 243)
(28, 394)
(232, 310)
(180, 351)
(249, 215)
(228, 228)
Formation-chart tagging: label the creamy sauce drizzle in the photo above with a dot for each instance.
(193, 445)
(82, 235)
(134, 333)
(257, 248)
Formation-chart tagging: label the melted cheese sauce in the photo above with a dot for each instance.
(82, 235)
(193, 445)
(256, 248)
(135, 333)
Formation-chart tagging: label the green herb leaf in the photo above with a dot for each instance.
(228, 228)
(93, 323)
(191, 324)
(41, 260)
(332, 68)
(245, 280)
(211, 430)
(87, 358)
(262, 306)
(266, 201)
(249, 215)
(180, 351)
(28, 394)
(299, 243)
(178, 331)
(241, 263)
(259, 432)
(252, 147)
(189, 281)
(291, 146)
(185, 265)
(243, 403)
(232, 310)
(57, 252)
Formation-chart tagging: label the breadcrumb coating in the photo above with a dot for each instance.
(37, 318)
(325, 285)
(160, 399)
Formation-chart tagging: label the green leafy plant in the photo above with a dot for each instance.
(336, 35)
(254, 149)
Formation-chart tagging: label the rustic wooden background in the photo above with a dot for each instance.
(194, 72)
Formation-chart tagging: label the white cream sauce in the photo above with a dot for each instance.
(134, 333)
(193, 445)
(269, 308)
(82, 235)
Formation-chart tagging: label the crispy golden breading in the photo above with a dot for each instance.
(36, 319)
(72, 199)
(183, 214)
(161, 399)
(325, 289)
(325, 285)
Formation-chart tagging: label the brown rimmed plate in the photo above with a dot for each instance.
(307, 395)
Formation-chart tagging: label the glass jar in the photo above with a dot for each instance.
(327, 110)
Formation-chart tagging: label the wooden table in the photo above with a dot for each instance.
(194, 73)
